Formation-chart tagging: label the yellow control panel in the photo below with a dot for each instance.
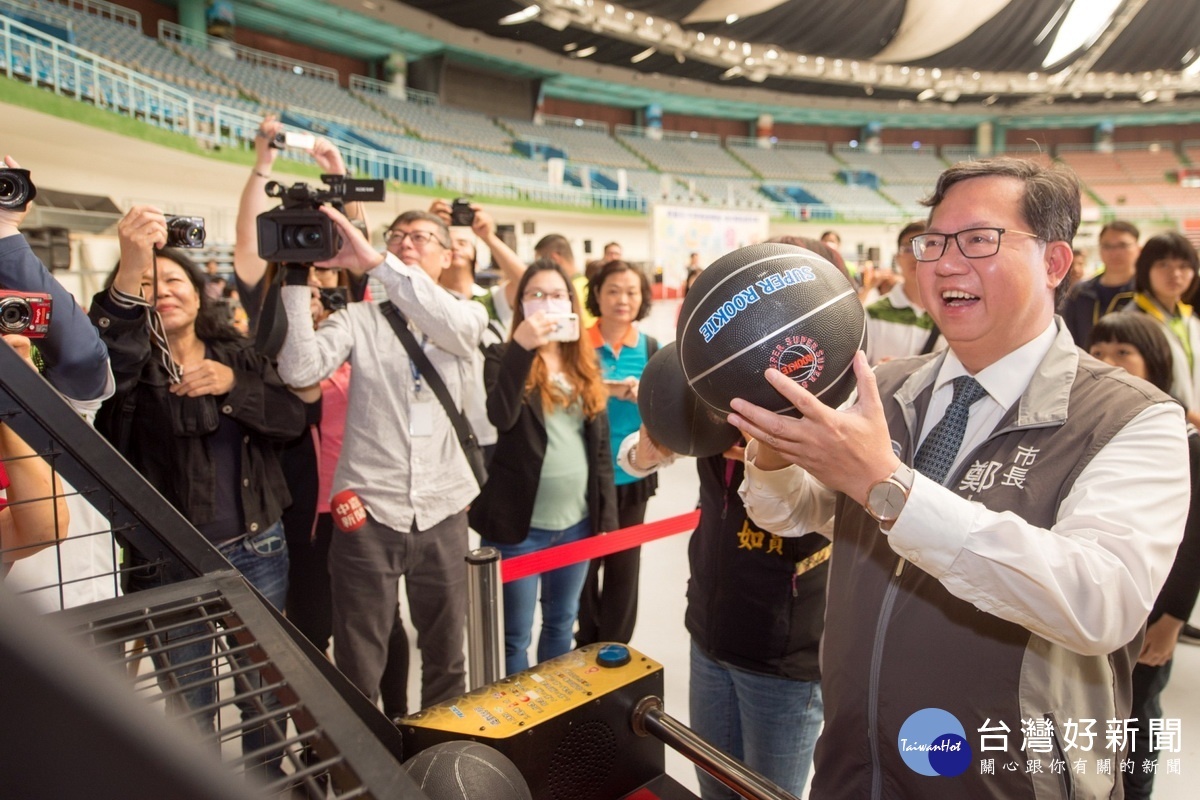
(514, 704)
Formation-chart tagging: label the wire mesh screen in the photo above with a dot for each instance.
(200, 646)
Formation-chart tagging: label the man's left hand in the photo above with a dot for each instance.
(847, 450)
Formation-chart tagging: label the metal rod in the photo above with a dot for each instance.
(485, 609)
(649, 719)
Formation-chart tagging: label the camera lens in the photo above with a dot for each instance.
(13, 192)
(185, 232)
(304, 237)
(15, 315)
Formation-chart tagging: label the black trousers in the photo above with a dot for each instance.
(309, 603)
(608, 605)
(1148, 684)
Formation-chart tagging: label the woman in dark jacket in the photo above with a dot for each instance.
(201, 415)
(551, 479)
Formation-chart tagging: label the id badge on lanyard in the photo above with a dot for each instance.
(420, 412)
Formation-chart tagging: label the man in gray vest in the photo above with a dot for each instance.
(1006, 513)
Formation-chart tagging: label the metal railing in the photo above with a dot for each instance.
(68, 70)
(39, 13)
(361, 83)
(667, 135)
(169, 32)
(99, 8)
(575, 123)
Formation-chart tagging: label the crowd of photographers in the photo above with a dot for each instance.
(379, 416)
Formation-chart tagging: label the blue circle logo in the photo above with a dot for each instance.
(933, 742)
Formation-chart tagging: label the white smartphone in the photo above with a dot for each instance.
(294, 140)
(566, 327)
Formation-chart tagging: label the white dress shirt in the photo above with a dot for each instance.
(1089, 582)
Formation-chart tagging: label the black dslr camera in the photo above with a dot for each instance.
(16, 190)
(185, 231)
(297, 232)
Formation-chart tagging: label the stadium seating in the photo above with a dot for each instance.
(412, 137)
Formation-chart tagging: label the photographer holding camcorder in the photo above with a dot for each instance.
(309, 460)
(251, 270)
(200, 413)
(402, 483)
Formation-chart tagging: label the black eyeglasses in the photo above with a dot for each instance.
(972, 242)
(419, 238)
(540, 295)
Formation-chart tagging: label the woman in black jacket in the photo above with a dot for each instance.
(201, 414)
(551, 479)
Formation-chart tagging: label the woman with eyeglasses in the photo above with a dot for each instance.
(618, 297)
(1166, 281)
(551, 480)
(201, 414)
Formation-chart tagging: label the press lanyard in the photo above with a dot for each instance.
(412, 365)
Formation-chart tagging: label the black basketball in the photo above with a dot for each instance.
(770, 305)
(466, 771)
(674, 415)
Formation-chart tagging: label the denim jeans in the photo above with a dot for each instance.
(262, 559)
(768, 722)
(560, 599)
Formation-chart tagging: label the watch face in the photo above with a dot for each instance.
(886, 500)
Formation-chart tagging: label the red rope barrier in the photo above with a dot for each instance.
(595, 546)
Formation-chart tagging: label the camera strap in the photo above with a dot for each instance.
(425, 367)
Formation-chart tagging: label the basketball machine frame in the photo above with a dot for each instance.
(94, 702)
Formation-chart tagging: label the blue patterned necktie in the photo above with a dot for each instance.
(938, 451)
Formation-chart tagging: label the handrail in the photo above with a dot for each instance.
(177, 34)
(362, 83)
(575, 123)
(50, 56)
(752, 142)
(667, 135)
(104, 10)
(43, 14)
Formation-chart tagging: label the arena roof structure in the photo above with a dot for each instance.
(937, 63)
(987, 51)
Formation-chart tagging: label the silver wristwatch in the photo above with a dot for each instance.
(886, 498)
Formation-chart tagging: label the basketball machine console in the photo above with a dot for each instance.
(587, 725)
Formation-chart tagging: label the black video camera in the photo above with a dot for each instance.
(16, 189)
(297, 232)
(185, 232)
